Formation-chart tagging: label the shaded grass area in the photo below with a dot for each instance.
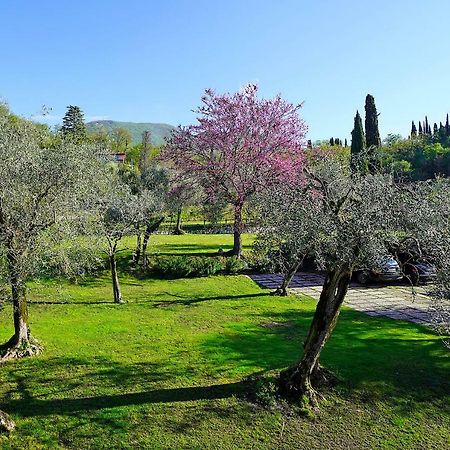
(165, 370)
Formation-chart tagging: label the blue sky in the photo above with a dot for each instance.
(150, 61)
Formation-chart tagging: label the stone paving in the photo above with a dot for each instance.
(393, 301)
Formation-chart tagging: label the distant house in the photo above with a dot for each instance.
(119, 157)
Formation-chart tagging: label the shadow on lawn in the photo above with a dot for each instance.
(67, 378)
(187, 301)
(28, 406)
(377, 359)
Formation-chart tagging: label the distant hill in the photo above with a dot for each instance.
(158, 131)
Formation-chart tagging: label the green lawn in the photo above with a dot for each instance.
(192, 244)
(164, 369)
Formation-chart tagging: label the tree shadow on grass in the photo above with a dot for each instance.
(379, 359)
(28, 407)
(59, 386)
(187, 301)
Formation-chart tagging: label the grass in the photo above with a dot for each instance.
(190, 244)
(165, 370)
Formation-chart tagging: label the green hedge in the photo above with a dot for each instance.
(195, 266)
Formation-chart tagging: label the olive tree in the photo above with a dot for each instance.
(45, 184)
(345, 221)
(150, 183)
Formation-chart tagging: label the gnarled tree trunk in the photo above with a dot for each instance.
(282, 289)
(151, 228)
(115, 278)
(302, 378)
(137, 252)
(21, 344)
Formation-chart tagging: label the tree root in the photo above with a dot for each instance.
(6, 423)
(294, 385)
(22, 349)
(279, 292)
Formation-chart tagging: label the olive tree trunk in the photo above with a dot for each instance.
(137, 252)
(150, 228)
(302, 378)
(288, 276)
(21, 344)
(115, 278)
(178, 229)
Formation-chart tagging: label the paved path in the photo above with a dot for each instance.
(395, 302)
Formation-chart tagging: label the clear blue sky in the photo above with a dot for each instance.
(140, 60)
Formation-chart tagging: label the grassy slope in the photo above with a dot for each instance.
(163, 370)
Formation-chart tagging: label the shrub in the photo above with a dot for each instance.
(172, 266)
(234, 265)
(259, 263)
(183, 266)
(205, 266)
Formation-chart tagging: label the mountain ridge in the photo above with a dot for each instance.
(159, 131)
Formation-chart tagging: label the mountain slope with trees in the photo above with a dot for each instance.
(159, 131)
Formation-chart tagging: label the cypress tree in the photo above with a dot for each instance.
(332, 141)
(73, 126)
(358, 161)
(373, 140)
(371, 124)
(447, 127)
(346, 143)
(427, 127)
(435, 128)
(441, 133)
(420, 128)
(413, 129)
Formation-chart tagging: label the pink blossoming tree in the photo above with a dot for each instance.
(240, 146)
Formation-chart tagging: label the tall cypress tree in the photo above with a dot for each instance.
(372, 132)
(373, 140)
(413, 129)
(346, 143)
(427, 127)
(332, 141)
(73, 126)
(435, 129)
(358, 161)
(447, 127)
(420, 128)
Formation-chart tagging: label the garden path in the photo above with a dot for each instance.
(393, 301)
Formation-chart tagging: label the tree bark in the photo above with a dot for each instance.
(137, 252)
(21, 344)
(115, 278)
(6, 423)
(302, 378)
(282, 289)
(150, 228)
(178, 229)
(237, 231)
